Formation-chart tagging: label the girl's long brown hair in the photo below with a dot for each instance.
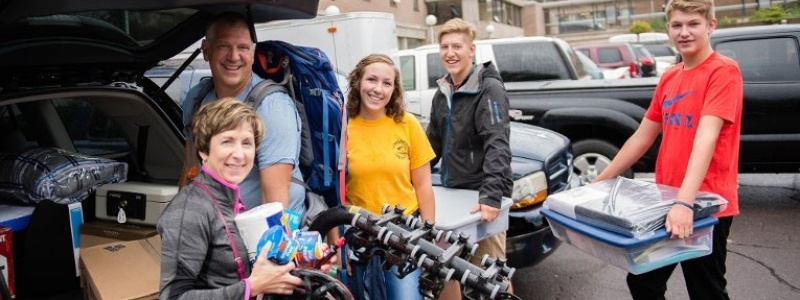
(395, 109)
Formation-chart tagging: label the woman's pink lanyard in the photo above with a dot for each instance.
(237, 258)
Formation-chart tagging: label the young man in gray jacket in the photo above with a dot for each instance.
(469, 130)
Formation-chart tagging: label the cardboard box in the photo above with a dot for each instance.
(634, 255)
(453, 208)
(88, 241)
(7, 260)
(122, 232)
(122, 270)
(142, 203)
(103, 232)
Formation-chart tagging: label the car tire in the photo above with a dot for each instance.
(592, 157)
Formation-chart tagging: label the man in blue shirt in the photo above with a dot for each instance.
(230, 52)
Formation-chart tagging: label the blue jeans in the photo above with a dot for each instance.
(406, 288)
(396, 288)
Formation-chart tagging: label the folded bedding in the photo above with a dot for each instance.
(628, 207)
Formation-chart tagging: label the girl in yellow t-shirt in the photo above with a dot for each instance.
(388, 156)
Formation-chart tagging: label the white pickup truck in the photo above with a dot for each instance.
(517, 59)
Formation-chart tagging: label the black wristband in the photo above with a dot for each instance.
(684, 204)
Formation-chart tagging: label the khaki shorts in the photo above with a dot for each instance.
(494, 245)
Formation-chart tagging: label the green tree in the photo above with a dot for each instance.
(773, 14)
(725, 21)
(659, 24)
(639, 27)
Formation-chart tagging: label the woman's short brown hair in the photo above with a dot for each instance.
(222, 115)
(395, 109)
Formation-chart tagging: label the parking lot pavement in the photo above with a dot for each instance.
(762, 258)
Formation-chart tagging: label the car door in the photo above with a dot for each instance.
(771, 75)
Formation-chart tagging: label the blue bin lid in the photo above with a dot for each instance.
(15, 217)
(612, 238)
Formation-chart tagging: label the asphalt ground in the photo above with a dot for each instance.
(763, 259)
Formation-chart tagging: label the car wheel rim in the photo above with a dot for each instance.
(589, 165)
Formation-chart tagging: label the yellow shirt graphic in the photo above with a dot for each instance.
(380, 157)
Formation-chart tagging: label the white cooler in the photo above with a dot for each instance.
(141, 202)
(453, 208)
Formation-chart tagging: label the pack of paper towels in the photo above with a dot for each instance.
(254, 222)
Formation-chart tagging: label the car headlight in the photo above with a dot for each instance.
(529, 190)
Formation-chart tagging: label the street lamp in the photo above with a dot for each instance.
(490, 30)
(430, 20)
(331, 10)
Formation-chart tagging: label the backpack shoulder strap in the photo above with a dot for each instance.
(301, 183)
(208, 85)
(264, 88)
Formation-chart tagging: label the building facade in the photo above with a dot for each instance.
(511, 18)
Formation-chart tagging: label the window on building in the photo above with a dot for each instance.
(412, 43)
(500, 11)
(445, 10)
(416, 5)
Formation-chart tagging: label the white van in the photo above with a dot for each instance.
(517, 59)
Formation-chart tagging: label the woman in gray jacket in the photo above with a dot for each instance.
(203, 255)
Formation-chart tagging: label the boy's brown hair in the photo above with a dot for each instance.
(703, 7)
(457, 25)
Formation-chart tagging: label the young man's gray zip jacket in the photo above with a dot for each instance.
(469, 131)
(197, 260)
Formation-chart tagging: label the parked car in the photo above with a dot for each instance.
(663, 52)
(647, 61)
(519, 59)
(642, 38)
(591, 67)
(605, 73)
(598, 117)
(72, 77)
(195, 71)
(619, 54)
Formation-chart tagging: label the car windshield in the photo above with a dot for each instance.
(129, 28)
(659, 49)
(587, 62)
(589, 65)
(641, 52)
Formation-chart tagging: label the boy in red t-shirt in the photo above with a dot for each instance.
(698, 107)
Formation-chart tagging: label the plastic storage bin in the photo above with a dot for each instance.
(453, 208)
(15, 217)
(631, 254)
